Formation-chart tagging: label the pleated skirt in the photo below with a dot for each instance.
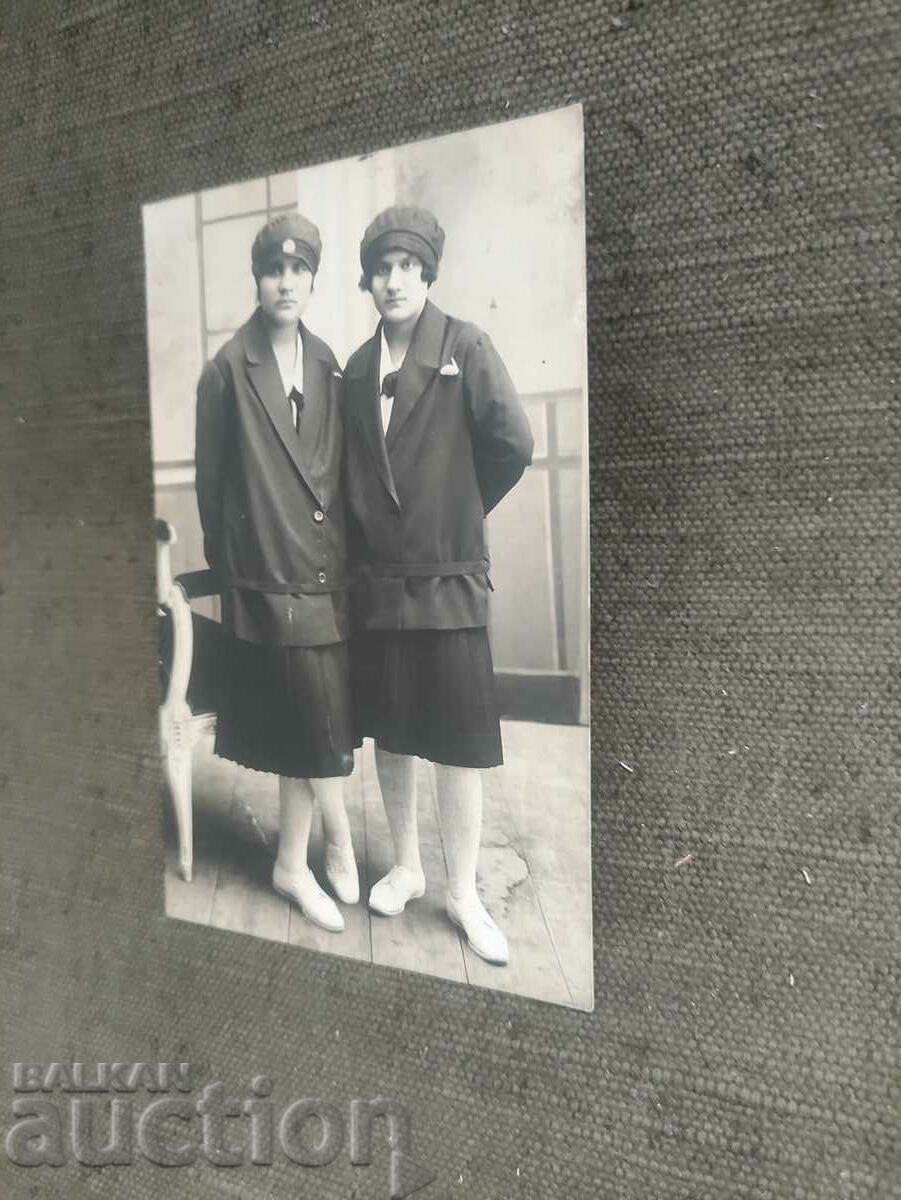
(287, 709)
(428, 692)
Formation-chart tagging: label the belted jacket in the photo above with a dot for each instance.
(457, 441)
(270, 498)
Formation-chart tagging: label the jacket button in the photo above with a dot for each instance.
(318, 515)
(322, 576)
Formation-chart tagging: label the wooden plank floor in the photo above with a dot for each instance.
(534, 867)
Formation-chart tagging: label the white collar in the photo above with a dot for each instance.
(292, 378)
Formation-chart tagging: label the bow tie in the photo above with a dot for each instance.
(389, 384)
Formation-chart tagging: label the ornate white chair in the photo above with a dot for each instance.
(188, 660)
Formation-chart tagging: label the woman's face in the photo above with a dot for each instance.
(284, 290)
(398, 288)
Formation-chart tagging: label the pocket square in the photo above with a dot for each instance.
(450, 368)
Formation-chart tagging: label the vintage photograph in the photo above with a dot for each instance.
(369, 430)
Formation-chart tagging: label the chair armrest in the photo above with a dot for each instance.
(165, 537)
(195, 585)
(171, 596)
(182, 652)
(174, 595)
(198, 584)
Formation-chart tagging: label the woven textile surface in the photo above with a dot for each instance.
(745, 376)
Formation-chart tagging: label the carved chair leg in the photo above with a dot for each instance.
(175, 714)
(178, 773)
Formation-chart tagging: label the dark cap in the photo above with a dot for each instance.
(403, 228)
(289, 236)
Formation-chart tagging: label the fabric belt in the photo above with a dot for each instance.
(416, 570)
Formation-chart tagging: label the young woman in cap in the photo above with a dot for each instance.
(435, 437)
(268, 455)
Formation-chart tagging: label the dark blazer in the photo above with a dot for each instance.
(270, 501)
(457, 441)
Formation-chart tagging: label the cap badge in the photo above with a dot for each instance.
(289, 246)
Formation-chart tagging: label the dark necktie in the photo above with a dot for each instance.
(389, 384)
(297, 408)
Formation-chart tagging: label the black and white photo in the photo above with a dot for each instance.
(368, 408)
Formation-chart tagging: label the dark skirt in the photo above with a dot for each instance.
(287, 709)
(428, 692)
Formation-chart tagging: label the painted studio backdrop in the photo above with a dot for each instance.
(511, 200)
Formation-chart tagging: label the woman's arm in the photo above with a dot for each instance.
(501, 436)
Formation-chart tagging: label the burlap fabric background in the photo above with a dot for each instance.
(744, 371)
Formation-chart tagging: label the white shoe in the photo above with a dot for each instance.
(341, 872)
(309, 897)
(390, 895)
(482, 934)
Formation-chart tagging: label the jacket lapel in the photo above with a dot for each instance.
(263, 373)
(363, 387)
(421, 362)
(317, 415)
